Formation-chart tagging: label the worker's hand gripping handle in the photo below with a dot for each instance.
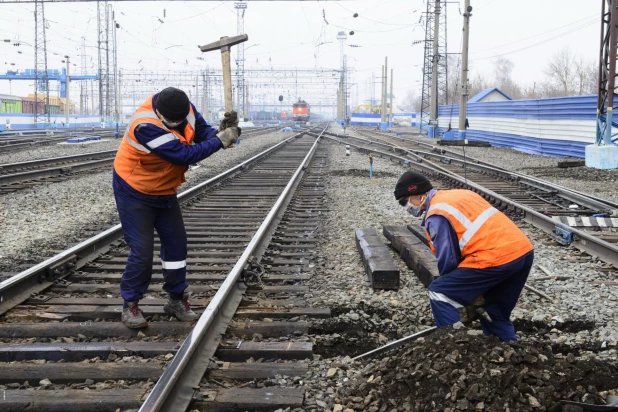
(229, 132)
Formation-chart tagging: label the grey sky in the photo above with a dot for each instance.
(526, 32)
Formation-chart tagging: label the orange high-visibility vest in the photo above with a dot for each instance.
(487, 238)
(143, 170)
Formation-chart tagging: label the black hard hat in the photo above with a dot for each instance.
(173, 104)
(411, 183)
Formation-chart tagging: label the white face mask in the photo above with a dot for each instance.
(415, 211)
(171, 125)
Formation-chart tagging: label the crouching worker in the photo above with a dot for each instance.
(165, 135)
(480, 253)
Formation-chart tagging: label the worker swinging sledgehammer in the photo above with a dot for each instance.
(483, 258)
(165, 135)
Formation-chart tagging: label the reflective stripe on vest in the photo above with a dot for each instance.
(486, 237)
(153, 144)
(471, 227)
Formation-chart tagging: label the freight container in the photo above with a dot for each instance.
(28, 105)
(10, 104)
(52, 109)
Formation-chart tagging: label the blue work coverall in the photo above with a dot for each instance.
(141, 214)
(500, 285)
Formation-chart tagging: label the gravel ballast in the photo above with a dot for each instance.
(580, 319)
(36, 223)
(57, 150)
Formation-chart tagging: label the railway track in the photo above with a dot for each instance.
(23, 175)
(251, 234)
(570, 217)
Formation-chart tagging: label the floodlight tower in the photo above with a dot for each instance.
(341, 36)
(240, 7)
(41, 76)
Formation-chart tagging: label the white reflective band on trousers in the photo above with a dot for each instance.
(443, 298)
(471, 227)
(174, 265)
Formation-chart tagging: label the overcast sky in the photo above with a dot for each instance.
(290, 34)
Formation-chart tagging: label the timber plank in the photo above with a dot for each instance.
(114, 288)
(77, 313)
(267, 329)
(248, 399)
(116, 277)
(79, 372)
(71, 400)
(78, 351)
(415, 253)
(249, 371)
(90, 329)
(197, 302)
(382, 271)
(267, 350)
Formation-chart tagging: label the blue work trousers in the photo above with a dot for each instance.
(500, 286)
(139, 219)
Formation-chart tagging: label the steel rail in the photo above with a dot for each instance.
(473, 160)
(54, 171)
(6, 179)
(584, 241)
(207, 328)
(20, 287)
(572, 196)
(53, 160)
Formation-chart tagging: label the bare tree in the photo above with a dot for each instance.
(410, 103)
(586, 74)
(503, 69)
(561, 72)
(477, 84)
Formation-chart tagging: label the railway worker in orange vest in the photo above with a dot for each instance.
(480, 252)
(165, 135)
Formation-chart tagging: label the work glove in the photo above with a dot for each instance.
(229, 136)
(230, 119)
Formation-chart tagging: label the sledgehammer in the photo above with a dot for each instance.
(224, 45)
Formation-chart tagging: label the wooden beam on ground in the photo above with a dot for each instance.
(71, 400)
(246, 330)
(100, 330)
(248, 371)
(382, 271)
(79, 372)
(248, 399)
(414, 252)
(243, 350)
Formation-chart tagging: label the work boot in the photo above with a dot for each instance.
(180, 308)
(133, 316)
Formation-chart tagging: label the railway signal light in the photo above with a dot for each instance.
(280, 98)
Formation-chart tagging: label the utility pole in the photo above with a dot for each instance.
(433, 111)
(205, 98)
(384, 88)
(463, 84)
(116, 73)
(390, 117)
(66, 98)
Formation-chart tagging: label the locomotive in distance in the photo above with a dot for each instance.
(301, 111)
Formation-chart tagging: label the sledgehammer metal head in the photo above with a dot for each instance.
(224, 45)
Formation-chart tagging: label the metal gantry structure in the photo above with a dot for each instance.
(435, 67)
(607, 72)
(107, 62)
(205, 87)
(41, 75)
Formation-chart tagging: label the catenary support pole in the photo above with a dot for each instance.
(67, 105)
(463, 84)
(433, 110)
(390, 117)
